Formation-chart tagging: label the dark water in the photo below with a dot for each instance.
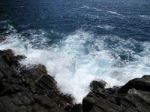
(132, 20)
(74, 39)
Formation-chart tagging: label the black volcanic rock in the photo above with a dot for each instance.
(97, 86)
(31, 89)
(28, 89)
(138, 83)
(132, 97)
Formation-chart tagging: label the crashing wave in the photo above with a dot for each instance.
(81, 57)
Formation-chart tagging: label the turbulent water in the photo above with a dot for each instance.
(80, 41)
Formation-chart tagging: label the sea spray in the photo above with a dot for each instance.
(81, 57)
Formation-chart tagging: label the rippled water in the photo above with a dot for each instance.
(80, 41)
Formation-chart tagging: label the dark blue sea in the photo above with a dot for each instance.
(80, 40)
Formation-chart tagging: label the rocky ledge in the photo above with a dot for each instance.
(31, 89)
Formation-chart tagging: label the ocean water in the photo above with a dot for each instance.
(80, 40)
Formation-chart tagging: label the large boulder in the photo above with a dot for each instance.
(132, 97)
(138, 83)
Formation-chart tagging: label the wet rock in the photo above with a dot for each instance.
(146, 77)
(77, 108)
(9, 57)
(29, 89)
(138, 83)
(132, 97)
(19, 57)
(88, 104)
(97, 86)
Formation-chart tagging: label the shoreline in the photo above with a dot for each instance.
(34, 90)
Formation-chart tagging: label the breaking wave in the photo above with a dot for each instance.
(81, 57)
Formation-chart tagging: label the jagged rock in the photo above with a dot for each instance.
(77, 108)
(138, 83)
(28, 90)
(24, 89)
(88, 104)
(146, 77)
(132, 97)
(97, 86)
(10, 58)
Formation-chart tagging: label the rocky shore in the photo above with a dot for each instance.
(25, 89)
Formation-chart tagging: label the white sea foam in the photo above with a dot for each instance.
(106, 27)
(97, 9)
(92, 8)
(85, 7)
(100, 10)
(80, 58)
(145, 16)
(115, 13)
(92, 16)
